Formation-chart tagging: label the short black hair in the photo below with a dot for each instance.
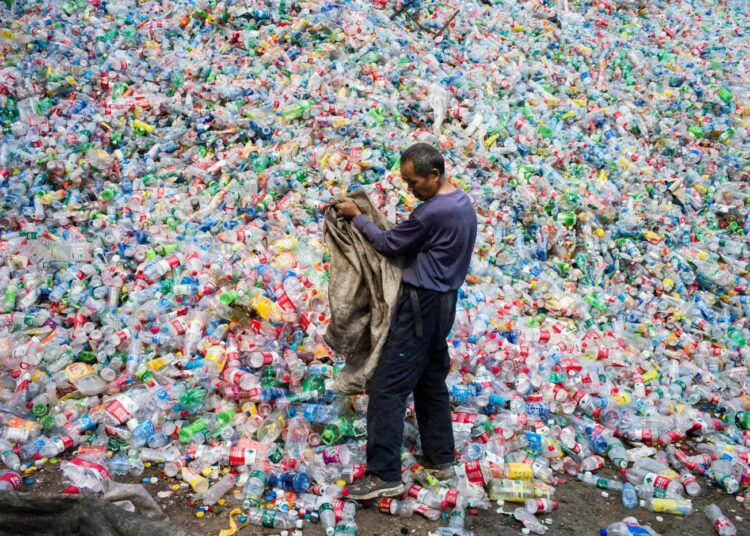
(424, 158)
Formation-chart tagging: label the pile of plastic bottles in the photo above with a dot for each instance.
(163, 278)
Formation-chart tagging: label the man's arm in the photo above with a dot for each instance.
(403, 238)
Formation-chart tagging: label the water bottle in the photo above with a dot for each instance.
(629, 496)
(722, 525)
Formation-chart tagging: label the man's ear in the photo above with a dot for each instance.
(435, 174)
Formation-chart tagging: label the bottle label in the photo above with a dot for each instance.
(535, 441)
(173, 261)
(520, 471)
(622, 399)
(118, 433)
(331, 455)
(358, 471)
(721, 523)
(463, 422)
(661, 481)
(179, 325)
(76, 371)
(670, 506)
(121, 409)
(97, 469)
(421, 508)
(637, 530)
(338, 509)
(192, 478)
(286, 303)
(63, 443)
(268, 518)
(418, 493)
(519, 492)
(19, 429)
(217, 356)
(475, 474)
(384, 505)
(12, 478)
(448, 496)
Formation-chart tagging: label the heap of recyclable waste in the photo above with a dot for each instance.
(163, 166)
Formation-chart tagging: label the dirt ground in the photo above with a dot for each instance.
(582, 511)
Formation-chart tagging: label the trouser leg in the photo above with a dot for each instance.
(431, 396)
(400, 367)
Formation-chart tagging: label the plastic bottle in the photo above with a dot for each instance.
(529, 521)
(327, 516)
(8, 457)
(722, 525)
(628, 527)
(679, 507)
(540, 506)
(629, 496)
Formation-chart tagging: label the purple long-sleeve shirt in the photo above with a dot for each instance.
(436, 241)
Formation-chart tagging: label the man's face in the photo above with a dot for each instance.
(422, 188)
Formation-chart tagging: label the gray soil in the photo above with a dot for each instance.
(583, 510)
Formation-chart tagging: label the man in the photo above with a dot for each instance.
(436, 241)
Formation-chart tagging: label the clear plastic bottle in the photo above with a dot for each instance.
(629, 496)
(722, 524)
(679, 507)
(219, 489)
(529, 521)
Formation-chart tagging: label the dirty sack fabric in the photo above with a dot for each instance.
(363, 291)
(53, 514)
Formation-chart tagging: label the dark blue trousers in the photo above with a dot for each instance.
(415, 359)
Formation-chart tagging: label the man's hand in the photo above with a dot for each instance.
(347, 208)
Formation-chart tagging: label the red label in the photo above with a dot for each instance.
(103, 474)
(113, 431)
(661, 482)
(118, 411)
(721, 523)
(230, 391)
(338, 510)
(173, 261)
(385, 505)
(13, 478)
(304, 322)
(474, 473)
(464, 418)
(237, 456)
(179, 326)
(286, 303)
(358, 471)
(449, 496)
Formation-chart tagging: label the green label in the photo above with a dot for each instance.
(269, 516)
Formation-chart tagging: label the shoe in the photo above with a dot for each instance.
(373, 487)
(444, 471)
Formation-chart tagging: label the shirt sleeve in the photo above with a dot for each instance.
(399, 240)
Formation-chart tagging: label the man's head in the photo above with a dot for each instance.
(423, 170)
